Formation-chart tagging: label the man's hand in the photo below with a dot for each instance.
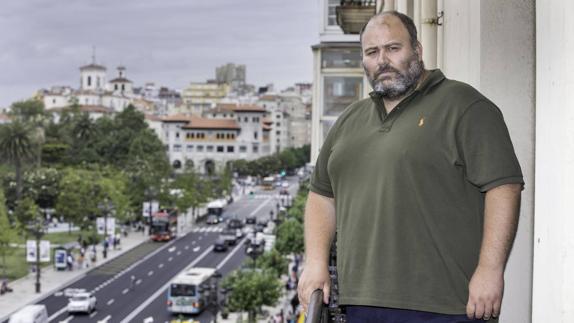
(314, 276)
(485, 293)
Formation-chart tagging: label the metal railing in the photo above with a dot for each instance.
(317, 312)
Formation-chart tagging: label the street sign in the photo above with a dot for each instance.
(110, 227)
(44, 251)
(147, 211)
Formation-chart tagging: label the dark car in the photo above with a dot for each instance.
(234, 224)
(250, 220)
(219, 245)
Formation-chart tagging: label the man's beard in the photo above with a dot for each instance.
(402, 83)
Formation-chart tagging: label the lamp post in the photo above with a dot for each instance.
(106, 206)
(215, 295)
(37, 228)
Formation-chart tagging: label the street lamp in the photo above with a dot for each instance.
(106, 206)
(37, 228)
(215, 295)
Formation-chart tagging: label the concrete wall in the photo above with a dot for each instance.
(490, 44)
(553, 299)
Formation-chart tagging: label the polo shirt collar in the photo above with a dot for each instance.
(434, 77)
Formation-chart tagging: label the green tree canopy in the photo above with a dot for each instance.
(290, 237)
(251, 290)
(17, 147)
(7, 233)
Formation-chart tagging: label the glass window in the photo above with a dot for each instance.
(331, 13)
(326, 126)
(278, 124)
(189, 148)
(242, 149)
(255, 135)
(199, 148)
(177, 148)
(278, 116)
(182, 290)
(219, 149)
(209, 149)
(341, 57)
(256, 149)
(339, 92)
(278, 132)
(230, 149)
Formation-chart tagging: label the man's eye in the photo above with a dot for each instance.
(394, 48)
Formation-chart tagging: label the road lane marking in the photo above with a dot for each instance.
(196, 249)
(106, 319)
(93, 314)
(237, 248)
(160, 266)
(179, 253)
(260, 207)
(111, 301)
(150, 273)
(125, 291)
(193, 242)
(67, 319)
(172, 249)
(161, 290)
(170, 259)
(186, 247)
(139, 281)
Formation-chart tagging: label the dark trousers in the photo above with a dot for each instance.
(370, 314)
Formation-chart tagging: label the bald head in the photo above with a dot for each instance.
(391, 19)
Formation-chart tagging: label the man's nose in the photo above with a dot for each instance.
(382, 58)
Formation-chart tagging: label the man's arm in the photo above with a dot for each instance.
(319, 232)
(501, 210)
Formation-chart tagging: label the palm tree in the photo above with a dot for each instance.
(16, 147)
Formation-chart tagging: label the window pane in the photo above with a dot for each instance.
(341, 57)
(339, 92)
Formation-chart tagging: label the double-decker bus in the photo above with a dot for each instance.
(163, 226)
(188, 292)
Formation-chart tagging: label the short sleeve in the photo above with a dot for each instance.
(320, 181)
(485, 149)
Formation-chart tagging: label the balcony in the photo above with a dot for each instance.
(352, 15)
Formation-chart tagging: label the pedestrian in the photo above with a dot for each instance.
(70, 261)
(421, 184)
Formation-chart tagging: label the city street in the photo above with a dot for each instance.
(154, 264)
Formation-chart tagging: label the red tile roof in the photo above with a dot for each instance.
(202, 123)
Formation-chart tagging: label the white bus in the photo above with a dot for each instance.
(187, 292)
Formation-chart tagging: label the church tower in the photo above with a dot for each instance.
(93, 76)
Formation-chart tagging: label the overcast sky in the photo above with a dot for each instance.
(169, 42)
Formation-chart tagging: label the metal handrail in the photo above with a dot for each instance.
(315, 312)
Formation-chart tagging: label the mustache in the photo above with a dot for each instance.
(385, 69)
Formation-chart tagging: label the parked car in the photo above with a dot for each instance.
(212, 219)
(250, 220)
(219, 245)
(82, 303)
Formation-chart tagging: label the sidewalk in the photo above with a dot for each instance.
(52, 280)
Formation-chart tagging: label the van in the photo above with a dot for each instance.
(30, 314)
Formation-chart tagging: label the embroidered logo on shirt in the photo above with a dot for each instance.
(422, 121)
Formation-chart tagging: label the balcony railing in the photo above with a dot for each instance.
(352, 15)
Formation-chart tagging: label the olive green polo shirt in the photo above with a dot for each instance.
(409, 193)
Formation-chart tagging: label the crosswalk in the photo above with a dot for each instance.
(208, 229)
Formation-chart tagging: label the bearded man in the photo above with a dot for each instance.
(421, 183)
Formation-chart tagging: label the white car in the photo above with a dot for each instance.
(82, 302)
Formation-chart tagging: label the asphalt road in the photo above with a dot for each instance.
(154, 264)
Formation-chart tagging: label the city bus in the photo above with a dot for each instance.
(268, 183)
(188, 292)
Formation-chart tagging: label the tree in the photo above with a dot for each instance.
(273, 261)
(290, 237)
(7, 234)
(251, 290)
(17, 147)
(32, 113)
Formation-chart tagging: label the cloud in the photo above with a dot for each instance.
(170, 42)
